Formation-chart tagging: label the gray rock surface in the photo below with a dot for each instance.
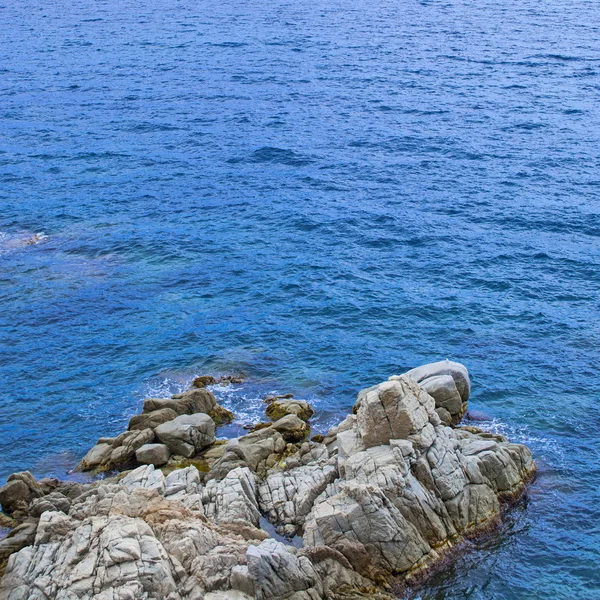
(188, 434)
(153, 454)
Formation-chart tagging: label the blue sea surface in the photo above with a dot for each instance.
(319, 195)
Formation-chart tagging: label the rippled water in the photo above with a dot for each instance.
(319, 195)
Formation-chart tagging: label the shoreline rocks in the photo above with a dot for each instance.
(377, 502)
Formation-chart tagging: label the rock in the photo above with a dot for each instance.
(444, 415)
(278, 572)
(198, 400)
(233, 499)
(204, 380)
(145, 477)
(153, 454)
(249, 450)
(188, 434)
(194, 400)
(292, 428)
(220, 415)
(364, 514)
(21, 536)
(14, 496)
(118, 453)
(397, 409)
(280, 408)
(54, 501)
(114, 555)
(182, 482)
(286, 497)
(98, 455)
(151, 420)
(457, 371)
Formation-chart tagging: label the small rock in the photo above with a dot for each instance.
(204, 380)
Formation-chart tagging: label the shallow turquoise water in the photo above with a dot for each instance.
(319, 195)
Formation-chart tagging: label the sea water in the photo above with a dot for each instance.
(318, 195)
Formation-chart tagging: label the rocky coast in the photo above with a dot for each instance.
(374, 505)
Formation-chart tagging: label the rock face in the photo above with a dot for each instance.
(383, 498)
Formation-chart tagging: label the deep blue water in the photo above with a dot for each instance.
(320, 195)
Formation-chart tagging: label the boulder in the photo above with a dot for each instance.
(456, 370)
(115, 453)
(194, 400)
(188, 434)
(151, 420)
(198, 400)
(14, 496)
(292, 428)
(280, 408)
(153, 454)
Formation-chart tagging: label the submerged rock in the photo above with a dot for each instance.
(382, 498)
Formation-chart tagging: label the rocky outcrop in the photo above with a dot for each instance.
(184, 424)
(380, 500)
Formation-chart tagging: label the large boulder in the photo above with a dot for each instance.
(194, 400)
(151, 420)
(188, 434)
(153, 454)
(448, 383)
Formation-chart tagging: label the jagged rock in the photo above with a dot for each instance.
(278, 573)
(153, 454)
(233, 499)
(115, 555)
(286, 497)
(151, 420)
(279, 408)
(182, 482)
(397, 409)
(188, 434)
(55, 501)
(145, 477)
